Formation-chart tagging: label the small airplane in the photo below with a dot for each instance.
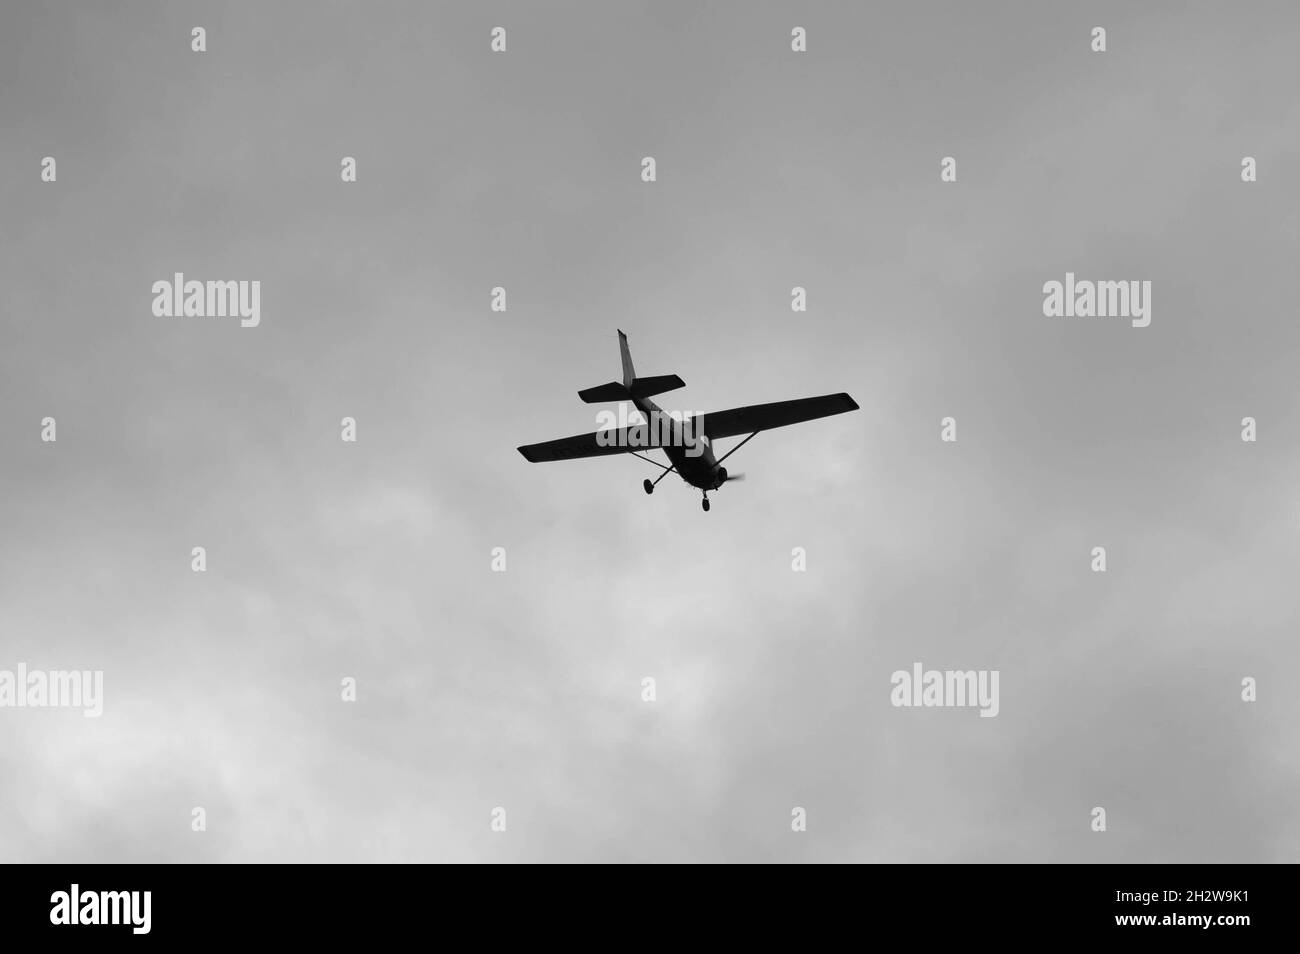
(687, 442)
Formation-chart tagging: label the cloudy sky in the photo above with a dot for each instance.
(522, 689)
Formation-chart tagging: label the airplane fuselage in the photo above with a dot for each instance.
(700, 470)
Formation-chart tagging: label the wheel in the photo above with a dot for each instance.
(649, 487)
(705, 505)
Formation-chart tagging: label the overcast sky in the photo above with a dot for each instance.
(522, 689)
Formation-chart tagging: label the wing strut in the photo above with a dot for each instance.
(650, 486)
(737, 447)
(649, 460)
(662, 476)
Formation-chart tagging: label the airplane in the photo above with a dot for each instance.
(687, 445)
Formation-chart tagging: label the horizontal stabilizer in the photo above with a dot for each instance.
(605, 392)
(656, 384)
(641, 388)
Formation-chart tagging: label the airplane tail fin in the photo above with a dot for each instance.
(631, 386)
(629, 372)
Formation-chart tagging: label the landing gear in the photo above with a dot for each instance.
(649, 487)
(705, 504)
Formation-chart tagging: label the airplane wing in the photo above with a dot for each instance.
(764, 417)
(586, 445)
(729, 423)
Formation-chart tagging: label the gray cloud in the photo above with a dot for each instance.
(521, 689)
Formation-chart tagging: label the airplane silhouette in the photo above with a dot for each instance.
(687, 440)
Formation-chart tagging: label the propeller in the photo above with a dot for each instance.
(731, 477)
